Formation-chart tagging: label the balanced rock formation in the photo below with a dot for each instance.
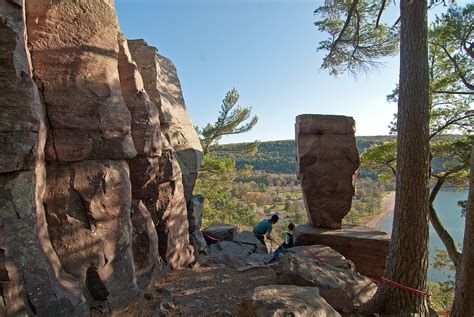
(286, 300)
(365, 246)
(327, 161)
(92, 189)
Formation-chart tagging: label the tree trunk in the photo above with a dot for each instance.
(464, 295)
(407, 261)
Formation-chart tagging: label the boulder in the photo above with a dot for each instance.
(327, 162)
(340, 286)
(88, 213)
(220, 231)
(286, 300)
(365, 246)
(162, 85)
(79, 79)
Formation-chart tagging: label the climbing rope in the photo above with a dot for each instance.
(408, 289)
(310, 252)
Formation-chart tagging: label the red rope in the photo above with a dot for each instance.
(400, 286)
(313, 254)
(208, 236)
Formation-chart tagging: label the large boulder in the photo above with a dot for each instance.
(162, 85)
(220, 232)
(365, 246)
(88, 213)
(327, 161)
(286, 300)
(75, 57)
(338, 284)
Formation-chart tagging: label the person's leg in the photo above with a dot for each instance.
(260, 238)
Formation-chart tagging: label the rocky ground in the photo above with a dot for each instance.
(201, 291)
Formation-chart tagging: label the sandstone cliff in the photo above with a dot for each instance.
(98, 160)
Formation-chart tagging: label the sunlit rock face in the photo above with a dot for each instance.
(156, 174)
(75, 58)
(327, 162)
(163, 86)
(31, 278)
(88, 214)
(74, 49)
(92, 190)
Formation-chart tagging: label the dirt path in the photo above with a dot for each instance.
(205, 291)
(388, 205)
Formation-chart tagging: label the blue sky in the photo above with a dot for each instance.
(267, 50)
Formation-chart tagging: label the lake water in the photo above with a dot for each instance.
(450, 214)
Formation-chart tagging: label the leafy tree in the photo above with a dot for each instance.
(464, 294)
(357, 38)
(216, 176)
(231, 120)
(449, 112)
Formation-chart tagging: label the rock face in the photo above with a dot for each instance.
(31, 278)
(88, 214)
(163, 86)
(195, 210)
(338, 284)
(287, 300)
(79, 77)
(92, 198)
(327, 161)
(366, 247)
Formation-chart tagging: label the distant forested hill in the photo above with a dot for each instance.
(279, 156)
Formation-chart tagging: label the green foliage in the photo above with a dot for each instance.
(279, 156)
(367, 201)
(382, 158)
(356, 37)
(452, 49)
(231, 120)
(442, 294)
(216, 185)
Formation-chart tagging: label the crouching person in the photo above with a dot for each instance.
(263, 229)
(289, 243)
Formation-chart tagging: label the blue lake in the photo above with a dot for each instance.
(450, 214)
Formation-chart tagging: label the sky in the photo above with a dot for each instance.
(266, 49)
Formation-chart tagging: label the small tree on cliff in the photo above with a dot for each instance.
(357, 38)
(217, 172)
(231, 120)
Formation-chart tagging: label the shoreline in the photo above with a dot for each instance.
(388, 205)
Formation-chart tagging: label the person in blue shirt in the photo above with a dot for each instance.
(263, 229)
